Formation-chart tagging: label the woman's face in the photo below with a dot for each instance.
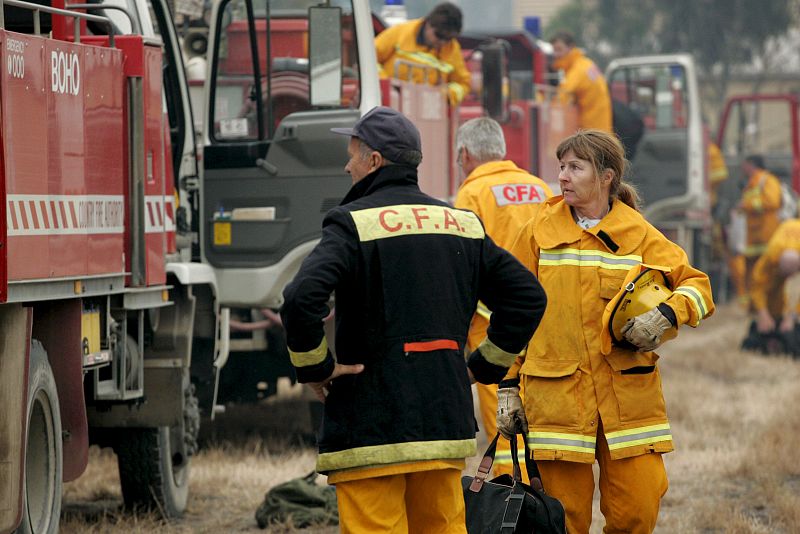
(580, 184)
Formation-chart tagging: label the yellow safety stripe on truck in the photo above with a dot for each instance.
(638, 436)
(415, 219)
(697, 300)
(495, 355)
(588, 258)
(393, 453)
(312, 357)
(561, 441)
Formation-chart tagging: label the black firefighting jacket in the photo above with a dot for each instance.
(407, 271)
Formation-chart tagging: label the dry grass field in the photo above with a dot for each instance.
(735, 418)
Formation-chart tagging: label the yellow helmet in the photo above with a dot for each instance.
(649, 289)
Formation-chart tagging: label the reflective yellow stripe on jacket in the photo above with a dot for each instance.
(393, 453)
(504, 457)
(562, 442)
(638, 436)
(697, 300)
(423, 58)
(497, 356)
(311, 357)
(588, 258)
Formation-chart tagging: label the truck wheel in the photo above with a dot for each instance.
(43, 450)
(154, 463)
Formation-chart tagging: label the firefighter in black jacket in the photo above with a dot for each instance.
(407, 271)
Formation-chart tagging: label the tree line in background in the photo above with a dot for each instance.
(722, 35)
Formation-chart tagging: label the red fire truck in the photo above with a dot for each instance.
(121, 254)
(99, 310)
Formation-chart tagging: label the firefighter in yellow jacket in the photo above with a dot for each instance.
(586, 399)
(431, 43)
(767, 293)
(505, 198)
(761, 200)
(582, 81)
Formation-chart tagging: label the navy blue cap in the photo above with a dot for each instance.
(386, 130)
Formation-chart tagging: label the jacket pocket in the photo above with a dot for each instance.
(637, 385)
(552, 393)
(610, 284)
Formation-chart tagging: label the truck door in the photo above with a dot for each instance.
(657, 113)
(282, 73)
(765, 125)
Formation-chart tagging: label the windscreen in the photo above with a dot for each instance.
(248, 105)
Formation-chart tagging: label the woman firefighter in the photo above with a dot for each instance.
(617, 289)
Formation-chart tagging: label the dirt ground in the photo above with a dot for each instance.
(734, 417)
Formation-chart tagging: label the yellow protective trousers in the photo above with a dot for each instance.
(630, 490)
(487, 397)
(737, 267)
(426, 502)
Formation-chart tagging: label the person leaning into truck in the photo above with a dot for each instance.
(760, 202)
(426, 49)
(407, 271)
(583, 81)
(505, 197)
(587, 399)
(776, 315)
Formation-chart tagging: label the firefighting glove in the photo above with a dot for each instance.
(645, 330)
(511, 418)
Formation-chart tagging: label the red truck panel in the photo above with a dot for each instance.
(63, 157)
(155, 167)
(144, 61)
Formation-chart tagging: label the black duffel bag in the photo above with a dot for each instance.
(505, 504)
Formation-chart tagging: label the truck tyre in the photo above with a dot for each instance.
(41, 507)
(153, 468)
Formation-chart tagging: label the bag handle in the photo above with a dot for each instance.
(485, 466)
(534, 476)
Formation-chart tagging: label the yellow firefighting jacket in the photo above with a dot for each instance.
(717, 170)
(505, 198)
(404, 42)
(767, 283)
(584, 81)
(761, 200)
(570, 384)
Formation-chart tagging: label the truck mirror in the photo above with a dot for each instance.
(494, 68)
(325, 55)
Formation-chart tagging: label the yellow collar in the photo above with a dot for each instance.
(568, 60)
(621, 231)
(492, 167)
